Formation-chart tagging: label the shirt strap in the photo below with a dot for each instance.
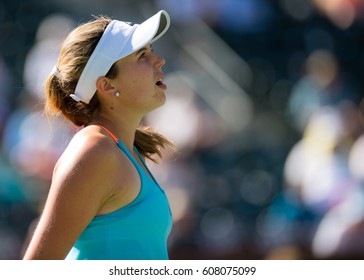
(111, 134)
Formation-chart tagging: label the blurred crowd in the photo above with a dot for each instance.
(264, 102)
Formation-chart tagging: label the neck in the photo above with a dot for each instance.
(123, 128)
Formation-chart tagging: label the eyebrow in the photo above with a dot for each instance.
(143, 49)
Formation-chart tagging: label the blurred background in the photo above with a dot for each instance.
(265, 105)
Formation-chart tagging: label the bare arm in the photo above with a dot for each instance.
(80, 186)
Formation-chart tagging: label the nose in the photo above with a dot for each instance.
(160, 61)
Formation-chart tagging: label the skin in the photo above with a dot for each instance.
(93, 177)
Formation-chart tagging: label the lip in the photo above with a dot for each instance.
(160, 83)
(162, 86)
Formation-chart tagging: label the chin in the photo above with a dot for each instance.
(164, 99)
(161, 99)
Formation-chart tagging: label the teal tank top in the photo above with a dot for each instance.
(137, 231)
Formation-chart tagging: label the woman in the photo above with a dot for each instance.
(103, 202)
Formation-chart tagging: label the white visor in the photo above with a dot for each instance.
(118, 40)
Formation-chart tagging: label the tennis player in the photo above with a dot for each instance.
(104, 202)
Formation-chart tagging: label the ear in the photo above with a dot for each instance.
(105, 86)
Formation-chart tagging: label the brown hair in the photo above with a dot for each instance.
(75, 51)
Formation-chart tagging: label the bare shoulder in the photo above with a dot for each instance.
(81, 184)
(89, 160)
(88, 149)
(93, 166)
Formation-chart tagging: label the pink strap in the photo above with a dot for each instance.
(111, 134)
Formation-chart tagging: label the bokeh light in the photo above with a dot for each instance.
(265, 105)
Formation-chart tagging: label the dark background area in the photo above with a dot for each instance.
(264, 104)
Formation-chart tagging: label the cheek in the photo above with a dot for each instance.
(131, 85)
(137, 82)
(136, 90)
(138, 79)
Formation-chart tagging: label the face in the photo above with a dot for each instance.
(140, 80)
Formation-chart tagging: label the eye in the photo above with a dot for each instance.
(142, 55)
(144, 52)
